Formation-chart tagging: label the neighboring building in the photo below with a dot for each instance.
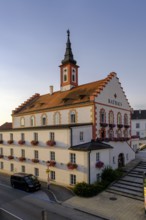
(69, 134)
(138, 119)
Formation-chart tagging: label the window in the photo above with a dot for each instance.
(44, 120)
(119, 133)
(138, 133)
(73, 158)
(73, 75)
(125, 133)
(11, 152)
(1, 165)
(22, 153)
(1, 151)
(137, 125)
(52, 155)
(65, 74)
(36, 154)
(98, 177)
(97, 156)
(22, 122)
(57, 118)
(36, 136)
(125, 119)
(119, 118)
(23, 169)
(111, 117)
(127, 157)
(72, 117)
(32, 121)
(22, 136)
(11, 167)
(1, 137)
(52, 175)
(36, 171)
(11, 137)
(72, 179)
(114, 160)
(52, 136)
(111, 133)
(81, 136)
(102, 116)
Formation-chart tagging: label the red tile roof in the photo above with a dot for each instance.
(5, 126)
(77, 95)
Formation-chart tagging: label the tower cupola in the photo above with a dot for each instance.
(68, 68)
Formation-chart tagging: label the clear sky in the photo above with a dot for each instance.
(106, 36)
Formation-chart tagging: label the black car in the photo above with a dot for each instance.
(27, 182)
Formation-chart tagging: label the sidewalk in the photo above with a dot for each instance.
(111, 206)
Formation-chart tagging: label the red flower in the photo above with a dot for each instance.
(51, 143)
(35, 160)
(33, 142)
(10, 142)
(99, 164)
(72, 166)
(10, 157)
(51, 163)
(21, 142)
(22, 159)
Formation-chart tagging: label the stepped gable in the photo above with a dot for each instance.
(6, 126)
(26, 103)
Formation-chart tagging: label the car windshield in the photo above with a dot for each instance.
(30, 179)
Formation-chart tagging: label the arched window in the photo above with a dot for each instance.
(125, 119)
(65, 74)
(111, 117)
(119, 133)
(22, 121)
(57, 118)
(72, 117)
(32, 120)
(119, 118)
(102, 116)
(44, 120)
(125, 133)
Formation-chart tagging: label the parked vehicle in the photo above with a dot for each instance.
(24, 181)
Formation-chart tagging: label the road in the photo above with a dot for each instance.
(29, 206)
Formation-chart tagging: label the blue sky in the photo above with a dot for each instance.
(106, 36)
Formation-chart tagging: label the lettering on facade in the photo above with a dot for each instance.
(114, 102)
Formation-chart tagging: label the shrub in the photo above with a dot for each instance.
(110, 175)
(85, 190)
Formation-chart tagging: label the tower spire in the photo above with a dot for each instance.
(68, 57)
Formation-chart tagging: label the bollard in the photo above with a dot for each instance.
(44, 215)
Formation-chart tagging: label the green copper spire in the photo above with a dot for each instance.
(68, 57)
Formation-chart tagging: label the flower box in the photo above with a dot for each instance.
(72, 166)
(99, 164)
(126, 126)
(35, 160)
(50, 143)
(10, 142)
(103, 125)
(33, 142)
(119, 125)
(111, 125)
(22, 159)
(1, 156)
(10, 157)
(1, 142)
(21, 142)
(51, 163)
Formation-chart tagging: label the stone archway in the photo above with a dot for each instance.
(121, 160)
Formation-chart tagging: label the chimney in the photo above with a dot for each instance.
(51, 90)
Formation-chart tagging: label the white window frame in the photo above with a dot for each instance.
(73, 179)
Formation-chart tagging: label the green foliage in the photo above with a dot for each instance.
(110, 175)
(85, 190)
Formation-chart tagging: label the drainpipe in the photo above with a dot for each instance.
(89, 153)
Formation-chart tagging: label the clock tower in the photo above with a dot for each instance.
(68, 68)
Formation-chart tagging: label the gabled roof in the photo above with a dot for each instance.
(138, 114)
(77, 95)
(93, 145)
(6, 126)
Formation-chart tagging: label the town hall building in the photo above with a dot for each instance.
(69, 135)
